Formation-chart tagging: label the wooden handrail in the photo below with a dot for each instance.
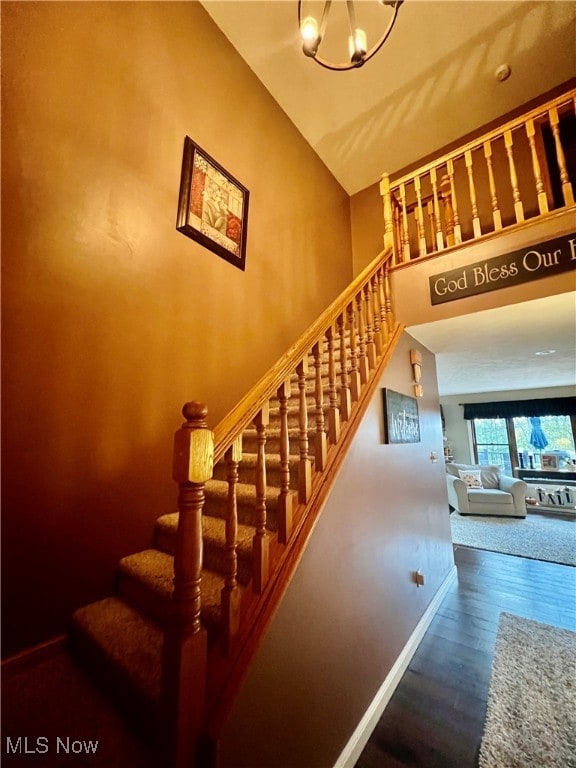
(533, 114)
(243, 413)
(475, 191)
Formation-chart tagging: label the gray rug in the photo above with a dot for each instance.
(531, 719)
(539, 538)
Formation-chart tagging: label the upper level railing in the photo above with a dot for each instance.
(521, 170)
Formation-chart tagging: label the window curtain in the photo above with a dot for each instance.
(553, 406)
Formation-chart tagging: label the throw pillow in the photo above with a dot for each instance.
(472, 477)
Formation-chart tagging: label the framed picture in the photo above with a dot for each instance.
(212, 205)
(549, 461)
(401, 419)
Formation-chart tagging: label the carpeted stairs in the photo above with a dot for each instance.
(121, 636)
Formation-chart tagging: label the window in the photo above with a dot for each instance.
(503, 441)
(492, 444)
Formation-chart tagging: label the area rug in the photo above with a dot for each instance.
(531, 717)
(539, 538)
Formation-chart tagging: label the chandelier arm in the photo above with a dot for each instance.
(350, 64)
(355, 64)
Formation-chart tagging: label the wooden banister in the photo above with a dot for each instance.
(412, 220)
(246, 410)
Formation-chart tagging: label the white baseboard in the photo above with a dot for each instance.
(353, 749)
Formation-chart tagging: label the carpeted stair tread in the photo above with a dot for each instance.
(244, 492)
(126, 639)
(214, 536)
(247, 469)
(148, 582)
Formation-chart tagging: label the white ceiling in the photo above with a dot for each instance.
(496, 349)
(432, 83)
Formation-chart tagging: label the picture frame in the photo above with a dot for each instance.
(401, 418)
(212, 205)
(549, 461)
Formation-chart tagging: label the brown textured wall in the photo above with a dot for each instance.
(352, 604)
(112, 319)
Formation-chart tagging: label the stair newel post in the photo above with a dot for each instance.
(370, 345)
(388, 217)
(320, 443)
(345, 399)
(446, 193)
(538, 180)
(333, 410)
(354, 372)
(185, 649)
(285, 499)
(567, 191)
(375, 298)
(518, 207)
(304, 466)
(260, 542)
(362, 356)
(382, 302)
(405, 233)
(230, 596)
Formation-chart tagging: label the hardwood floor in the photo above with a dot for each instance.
(435, 719)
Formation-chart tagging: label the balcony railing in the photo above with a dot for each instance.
(522, 170)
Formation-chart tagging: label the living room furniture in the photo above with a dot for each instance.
(494, 494)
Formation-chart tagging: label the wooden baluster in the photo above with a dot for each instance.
(376, 314)
(320, 444)
(432, 221)
(472, 188)
(362, 358)
(397, 255)
(304, 467)
(405, 233)
(496, 215)
(388, 295)
(438, 220)
(286, 497)
(184, 654)
(354, 372)
(567, 190)
(333, 409)
(446, 192)
(420, 218)
(454, 203)
(345, 398)
(368, 311)
(260, 542)
(230, 596)
(388, 218)
(383, 317)
(540, 189)
(518, 207)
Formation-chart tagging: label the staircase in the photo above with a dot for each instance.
(176, 639)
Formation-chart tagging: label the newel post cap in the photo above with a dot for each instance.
(193, 446)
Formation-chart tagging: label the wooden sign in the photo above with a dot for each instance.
(543, 260)
(401, 421)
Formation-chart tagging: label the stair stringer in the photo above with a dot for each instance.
(225, 676)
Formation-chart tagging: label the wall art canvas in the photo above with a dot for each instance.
(401, 418)
(212, 205)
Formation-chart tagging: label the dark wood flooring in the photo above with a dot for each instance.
(435, 718)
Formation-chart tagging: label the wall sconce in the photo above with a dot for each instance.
(416, 362)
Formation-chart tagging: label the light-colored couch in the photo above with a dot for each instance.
(499, 495)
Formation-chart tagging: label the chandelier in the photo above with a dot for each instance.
(315, 30)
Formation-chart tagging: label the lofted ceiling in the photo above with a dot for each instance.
(431, 83)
